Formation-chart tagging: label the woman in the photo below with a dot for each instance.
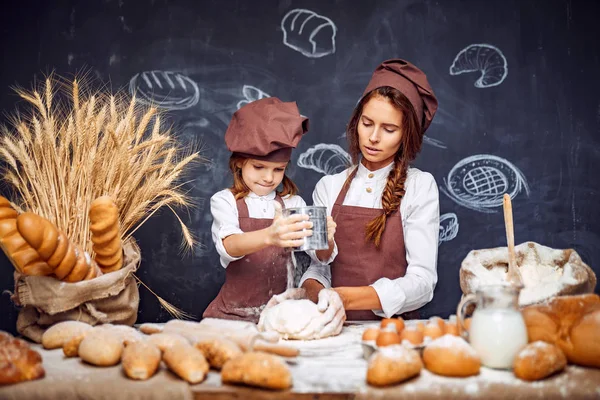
(384, 259)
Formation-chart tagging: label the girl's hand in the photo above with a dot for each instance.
(288, 231)
(331, 225)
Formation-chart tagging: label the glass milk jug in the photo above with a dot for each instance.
(497, 331)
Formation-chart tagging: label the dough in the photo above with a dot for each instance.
(290, 318)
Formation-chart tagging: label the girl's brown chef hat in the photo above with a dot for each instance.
(266, 129)
(409, 80)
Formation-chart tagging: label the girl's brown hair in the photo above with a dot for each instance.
(410, 145)
(239, 187)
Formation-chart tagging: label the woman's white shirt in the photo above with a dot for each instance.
(420, 222)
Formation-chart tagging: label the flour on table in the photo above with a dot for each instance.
(290, 318)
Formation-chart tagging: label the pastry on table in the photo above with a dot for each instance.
(538, 360)
(257, 369)
(570, 322)
(451, 356)
(18, 362)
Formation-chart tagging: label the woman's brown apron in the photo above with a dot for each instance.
(360, 263)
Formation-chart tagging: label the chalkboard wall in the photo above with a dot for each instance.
(517, 82)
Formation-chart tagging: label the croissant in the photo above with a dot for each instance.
(18, 361)
(106, 234)
(25, 258)
(67, 261)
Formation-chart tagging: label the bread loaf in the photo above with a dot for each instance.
(101, 348)
(451, 356)
(24, 258)
(106, 234)
(165, 340)
(67, 261)
(218, 351)
(257, 369)
(58, 334)
(149, 328)
(187, 362)
(140, 360)
(393, 364)
(18, 362)
(570, 322)
(538, 360)
(71, 346)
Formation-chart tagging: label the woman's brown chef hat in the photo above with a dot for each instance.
(266, 129)
(409, 80)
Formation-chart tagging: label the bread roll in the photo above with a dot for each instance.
(538, 360)
(140, 360)
(71, 346)
(24, 258)
(106, 234)
(67, 261)
(165, 340)
(101, 347)
(451, 356)
(187, 362)
(257, 369)
(58, 334)
(18, 362)
(570, 322)
(218, 351)
(126, 333)
(149, 328)
(393, 364)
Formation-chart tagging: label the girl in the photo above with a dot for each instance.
(385, 254)
(249, 232)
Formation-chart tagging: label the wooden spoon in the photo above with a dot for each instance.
(514, 275)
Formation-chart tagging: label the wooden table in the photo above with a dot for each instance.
(330, 368)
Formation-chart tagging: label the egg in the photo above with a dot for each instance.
(440, 322)
(412, 335)
(386, 338)
(452, 329)
(433, 330)
(398, 323)
(420, 327)
(370, 334)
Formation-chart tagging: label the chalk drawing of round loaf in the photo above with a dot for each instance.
(328, 159)
(483, 58)
(164, 89)
(448, 227)
(479, 182)
(251, 93)
(309, 33)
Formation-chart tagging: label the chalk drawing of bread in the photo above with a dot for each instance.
(483, 58)
(309, 33)
(164, 89)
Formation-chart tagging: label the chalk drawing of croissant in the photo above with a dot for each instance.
(483, 58)
(251, 93)
(325, 158)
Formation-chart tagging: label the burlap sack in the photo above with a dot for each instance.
(111, 298)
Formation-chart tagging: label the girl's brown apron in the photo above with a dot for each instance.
(251, 281)
(360, 263)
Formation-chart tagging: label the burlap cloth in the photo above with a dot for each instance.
(111, 298)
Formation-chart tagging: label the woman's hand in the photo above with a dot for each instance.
(331, 320)
(288, 231)
(290, 294)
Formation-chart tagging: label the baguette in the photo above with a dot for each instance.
(187, 362)
(106, 234)
(257, 369)
(21, 254)
(140, 360)
(67, 261)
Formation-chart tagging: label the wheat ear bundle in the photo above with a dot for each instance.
(77, 144)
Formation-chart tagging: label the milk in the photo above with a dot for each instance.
(497, 335)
